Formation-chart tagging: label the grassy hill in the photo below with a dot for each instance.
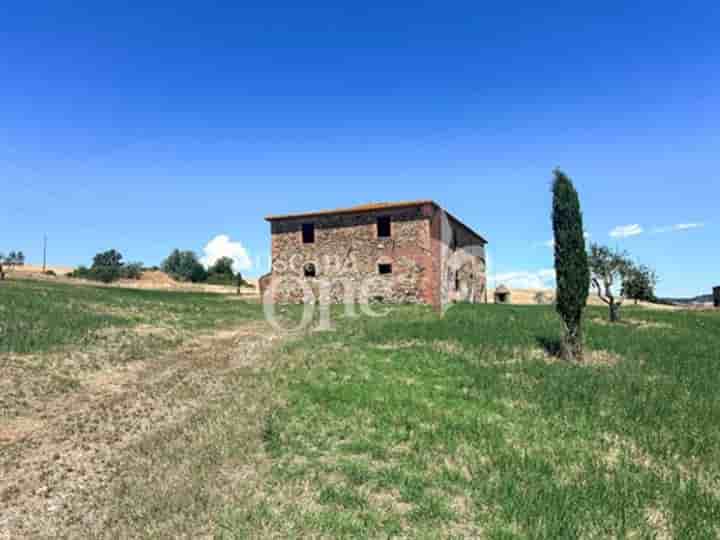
(469, 427)
(404, 425)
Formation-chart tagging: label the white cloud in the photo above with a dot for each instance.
(222, 246)
(542, 279)
(625, 231)
(679, 227)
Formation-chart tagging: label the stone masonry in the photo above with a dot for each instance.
(344, 255)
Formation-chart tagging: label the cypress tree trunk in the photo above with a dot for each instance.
(572, 344)
(571, 264)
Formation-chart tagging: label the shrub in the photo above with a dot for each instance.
(81, 272)
(131, 271)
(105, 274)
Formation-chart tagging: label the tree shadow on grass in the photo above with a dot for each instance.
(551, 346)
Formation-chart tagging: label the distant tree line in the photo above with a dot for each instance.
(108, 266)
(185, 266)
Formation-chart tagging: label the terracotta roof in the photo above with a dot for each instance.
(352, 209)
(369, 207)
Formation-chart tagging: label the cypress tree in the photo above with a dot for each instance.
(571, 264)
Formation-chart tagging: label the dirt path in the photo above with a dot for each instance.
(56, 462)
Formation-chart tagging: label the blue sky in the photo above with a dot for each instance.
(148, 128)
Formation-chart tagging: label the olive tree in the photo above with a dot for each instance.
(610, 269)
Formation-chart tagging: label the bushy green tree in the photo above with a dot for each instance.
(221, 272)
(571, 264)
(111, 258)
(224, 265)
(106, 266)
(184, 266)
(639, 284)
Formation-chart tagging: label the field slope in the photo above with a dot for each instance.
(142, 414)
(469, 427)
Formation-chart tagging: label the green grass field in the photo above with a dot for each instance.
(38, 316)
(406, 425)
(464, 427)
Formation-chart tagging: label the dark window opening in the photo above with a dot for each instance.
(457, 281)
(384, 268)
(383, 227)
(309, 270)
(308, 233)
(453, 241)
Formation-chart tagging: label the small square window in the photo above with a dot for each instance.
(384, 268)
(309, 270)
(383, 227)
(308, 233)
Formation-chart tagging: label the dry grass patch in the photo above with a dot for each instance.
(593, 357)
(399, 345)
(389, 500)
(657, 520)
(638, 324)
(448, 347)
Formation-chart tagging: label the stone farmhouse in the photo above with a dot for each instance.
(402, 252)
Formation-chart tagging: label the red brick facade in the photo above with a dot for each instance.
(344, 255)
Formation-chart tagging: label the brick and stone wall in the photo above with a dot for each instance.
(346, 254)
(461, 255)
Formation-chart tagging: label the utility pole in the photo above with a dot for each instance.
(44, 252)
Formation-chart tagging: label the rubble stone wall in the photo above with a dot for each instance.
(346, 254)
(462, 275)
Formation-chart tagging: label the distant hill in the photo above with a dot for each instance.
(702, 299)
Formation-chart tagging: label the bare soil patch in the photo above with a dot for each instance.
(60, 457)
